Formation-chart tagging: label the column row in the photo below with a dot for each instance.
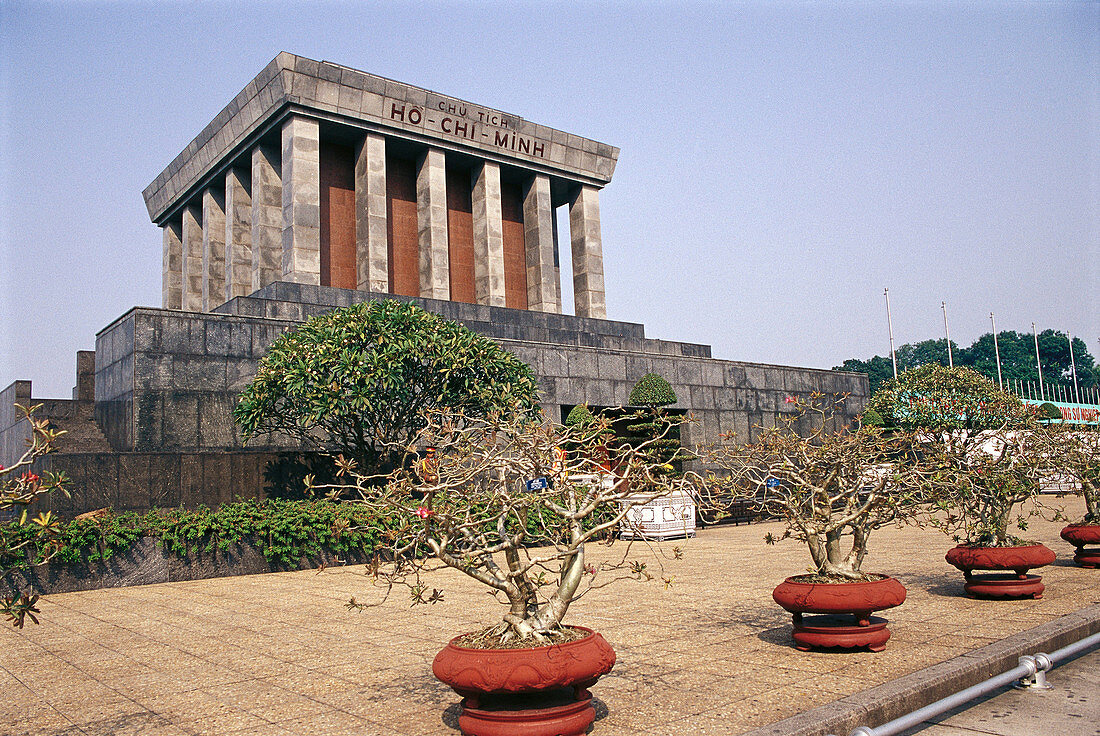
(264, 224)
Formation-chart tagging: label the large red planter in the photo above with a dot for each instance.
(1081, 536)
(1019, 560)
(838, 601)
(488, 680)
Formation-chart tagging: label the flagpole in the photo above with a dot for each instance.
(890, 323)
(950, 358)
(997, 352)
(1038, 365)
(1073, 366)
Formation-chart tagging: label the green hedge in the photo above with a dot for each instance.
(283, 530)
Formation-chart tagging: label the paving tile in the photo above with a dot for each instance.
(278, 654)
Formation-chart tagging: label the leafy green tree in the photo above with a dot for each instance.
(1017, 351)
(362, 380)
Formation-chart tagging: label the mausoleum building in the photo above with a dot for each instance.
(320, 174)
(321, 186)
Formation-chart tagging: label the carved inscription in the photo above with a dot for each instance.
(457, 121)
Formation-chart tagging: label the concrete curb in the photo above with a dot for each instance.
(878, 705)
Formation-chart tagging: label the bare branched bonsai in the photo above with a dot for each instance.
(990, 445)
(20, 488)
(831, 488)
(501, 501)
(1076, 449)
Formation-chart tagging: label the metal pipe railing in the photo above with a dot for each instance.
(1030, 674)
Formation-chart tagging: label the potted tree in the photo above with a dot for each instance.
(506, 507)
(991, 446)
(672, 514)
(20, 488)
(1077, 448)
(832, 488)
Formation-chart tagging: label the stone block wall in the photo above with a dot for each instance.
(15, 431)
(168, 380)
(137, 481)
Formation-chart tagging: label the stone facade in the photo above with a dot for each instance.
(215, 203)
(317, 176)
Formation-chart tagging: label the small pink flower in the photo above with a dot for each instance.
(790, 400)
(29, 477)
(423, 512)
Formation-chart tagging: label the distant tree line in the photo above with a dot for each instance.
(1017, 359)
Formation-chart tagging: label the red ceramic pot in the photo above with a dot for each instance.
(1017, 559)
(857, 597)
(480, 674)
(1080, 536)
(473, 672)
(836, 600)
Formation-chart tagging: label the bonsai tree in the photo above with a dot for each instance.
(1049, 411)
(1077, 453)
(20, 488)
(989, 443)
(359, 380)
(832, 489)
(506, 507)
(653, 393)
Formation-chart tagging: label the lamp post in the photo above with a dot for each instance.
(950, 358)
(997, 352)
(1073, 368)
(1038, 364)
(890, 324)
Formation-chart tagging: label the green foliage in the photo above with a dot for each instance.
(284, 531)
(579, 415)
(361, 380)
(871, 418)
(20, 488)
(934, 397)
(652, 390)
(1017, 350)
(1048, 410)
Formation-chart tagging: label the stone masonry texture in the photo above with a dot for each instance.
(353, 97)
(166, 382)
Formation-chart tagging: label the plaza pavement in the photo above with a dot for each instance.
(280, 654)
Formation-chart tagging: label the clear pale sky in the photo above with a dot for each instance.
(781, 162)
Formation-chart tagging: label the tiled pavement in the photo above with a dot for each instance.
(279, 653)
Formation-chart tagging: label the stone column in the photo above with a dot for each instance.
(538, 227)
(557, 260)
(213, 248)
(372, 256)
(267, 217)
(488, 236)
(192, 259)
(431, 219)
(238, 233)
(584, 231)
(171, 290)
(301, 170)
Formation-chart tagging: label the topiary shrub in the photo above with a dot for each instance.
(872, 418)
(654, 426)
(579, 415)
(1048, 410)
(652, 390)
